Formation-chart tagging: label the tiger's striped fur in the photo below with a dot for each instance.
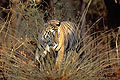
(60, 36)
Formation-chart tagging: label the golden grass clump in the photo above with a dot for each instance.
(96, 60)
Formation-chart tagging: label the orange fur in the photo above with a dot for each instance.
(66, 38)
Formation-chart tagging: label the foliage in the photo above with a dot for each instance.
(96, 60)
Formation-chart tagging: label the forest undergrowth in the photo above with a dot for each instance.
(96, 59)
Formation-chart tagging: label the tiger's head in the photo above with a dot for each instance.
(52, 32)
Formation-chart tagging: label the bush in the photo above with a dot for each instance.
(18, 42)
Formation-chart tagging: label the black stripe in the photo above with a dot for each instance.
(58, 24)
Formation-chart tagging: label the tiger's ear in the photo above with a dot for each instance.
(45, 25)
(58, 24)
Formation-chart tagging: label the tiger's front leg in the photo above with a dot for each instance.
(60, 58)
(60, 49)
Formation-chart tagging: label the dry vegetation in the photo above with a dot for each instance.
(96, 59)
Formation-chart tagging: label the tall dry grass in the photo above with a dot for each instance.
(96, 60)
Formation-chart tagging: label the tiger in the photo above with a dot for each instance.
(58, 36)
